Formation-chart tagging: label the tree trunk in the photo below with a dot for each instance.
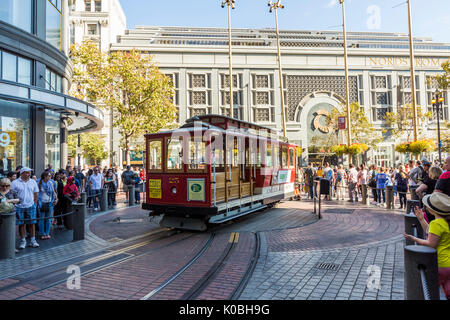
(127, 151)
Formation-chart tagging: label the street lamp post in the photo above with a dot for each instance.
(437, 103)
(413, 79)
(274, 6)
(230, 4)
(347, 90)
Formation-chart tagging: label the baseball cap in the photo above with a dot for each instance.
(25, 169)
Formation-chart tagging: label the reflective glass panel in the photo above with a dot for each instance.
(175, 154)
(155, 155)
(14, 136)
(24, 72)
(52, 138)
(53, 27)
(9, 67)
(17, 13)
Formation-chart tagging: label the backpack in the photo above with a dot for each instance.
(339, 176)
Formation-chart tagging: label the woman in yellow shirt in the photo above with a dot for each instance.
(438, 204)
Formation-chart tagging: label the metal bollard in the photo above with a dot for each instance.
(365, 198)
(104, 199)
(410, 204)
(83, 197)
(131, 197)
(414, 195)
(7, 235)
(412, 222)
(389, 197)
(79, 214)
(425, 258)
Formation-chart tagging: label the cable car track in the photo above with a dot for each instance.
(122, 253)
(199, 287)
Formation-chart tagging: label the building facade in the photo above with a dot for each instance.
(313, 74)
(36, 114)
(100, 21)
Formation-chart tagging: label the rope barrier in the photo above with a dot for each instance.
(46, 218)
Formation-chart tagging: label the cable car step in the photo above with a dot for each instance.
(183, 223)
(235, 213)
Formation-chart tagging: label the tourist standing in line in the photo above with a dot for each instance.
(341, 177)
(27, 192)
(382, 180)
(438, 231)
(362, 177)
(328, 174)
(352, 181)
(46, 200)
(401, 180)
(96, 183)
(310, 173)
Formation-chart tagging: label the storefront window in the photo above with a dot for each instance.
(14, 136)
(17, 13)
(52, 138)
(53, 28)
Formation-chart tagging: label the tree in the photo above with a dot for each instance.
(401, 121)
(129, 82)
(363, 130)
(92, 147)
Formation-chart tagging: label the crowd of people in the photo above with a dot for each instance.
(36, 200)
(430, 182)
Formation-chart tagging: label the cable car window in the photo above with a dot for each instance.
(276, 156)
(197, 155)
(269, 156)
(291, 158)
(175, 153)
(235, 159)
(155, 155)
(284, 157)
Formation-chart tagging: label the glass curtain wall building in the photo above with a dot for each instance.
(36, 114)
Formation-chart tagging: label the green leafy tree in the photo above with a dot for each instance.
(92, 147)
(363, 130)
(400, 122)
(130, 83)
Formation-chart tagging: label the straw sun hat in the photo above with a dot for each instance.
(438, 203)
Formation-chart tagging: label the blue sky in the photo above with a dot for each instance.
(431, 18)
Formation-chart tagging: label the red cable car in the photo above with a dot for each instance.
(214, 169)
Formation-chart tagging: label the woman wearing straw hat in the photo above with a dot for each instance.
(438, 204)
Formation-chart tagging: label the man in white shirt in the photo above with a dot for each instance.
(96, 182)
(27, 191)
(352, 181)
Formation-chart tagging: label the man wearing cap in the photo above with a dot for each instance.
(438, 232)
(27, 191)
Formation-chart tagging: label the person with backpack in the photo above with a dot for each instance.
(401, 179)
(382, 179)
(372, 183)
(127, 181)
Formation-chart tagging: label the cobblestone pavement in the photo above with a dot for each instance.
(340, 256)
(337, 258)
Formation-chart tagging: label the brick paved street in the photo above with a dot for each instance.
(126, 255)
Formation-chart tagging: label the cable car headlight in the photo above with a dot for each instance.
(174, 190)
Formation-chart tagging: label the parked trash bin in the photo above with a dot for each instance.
(324, 186)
